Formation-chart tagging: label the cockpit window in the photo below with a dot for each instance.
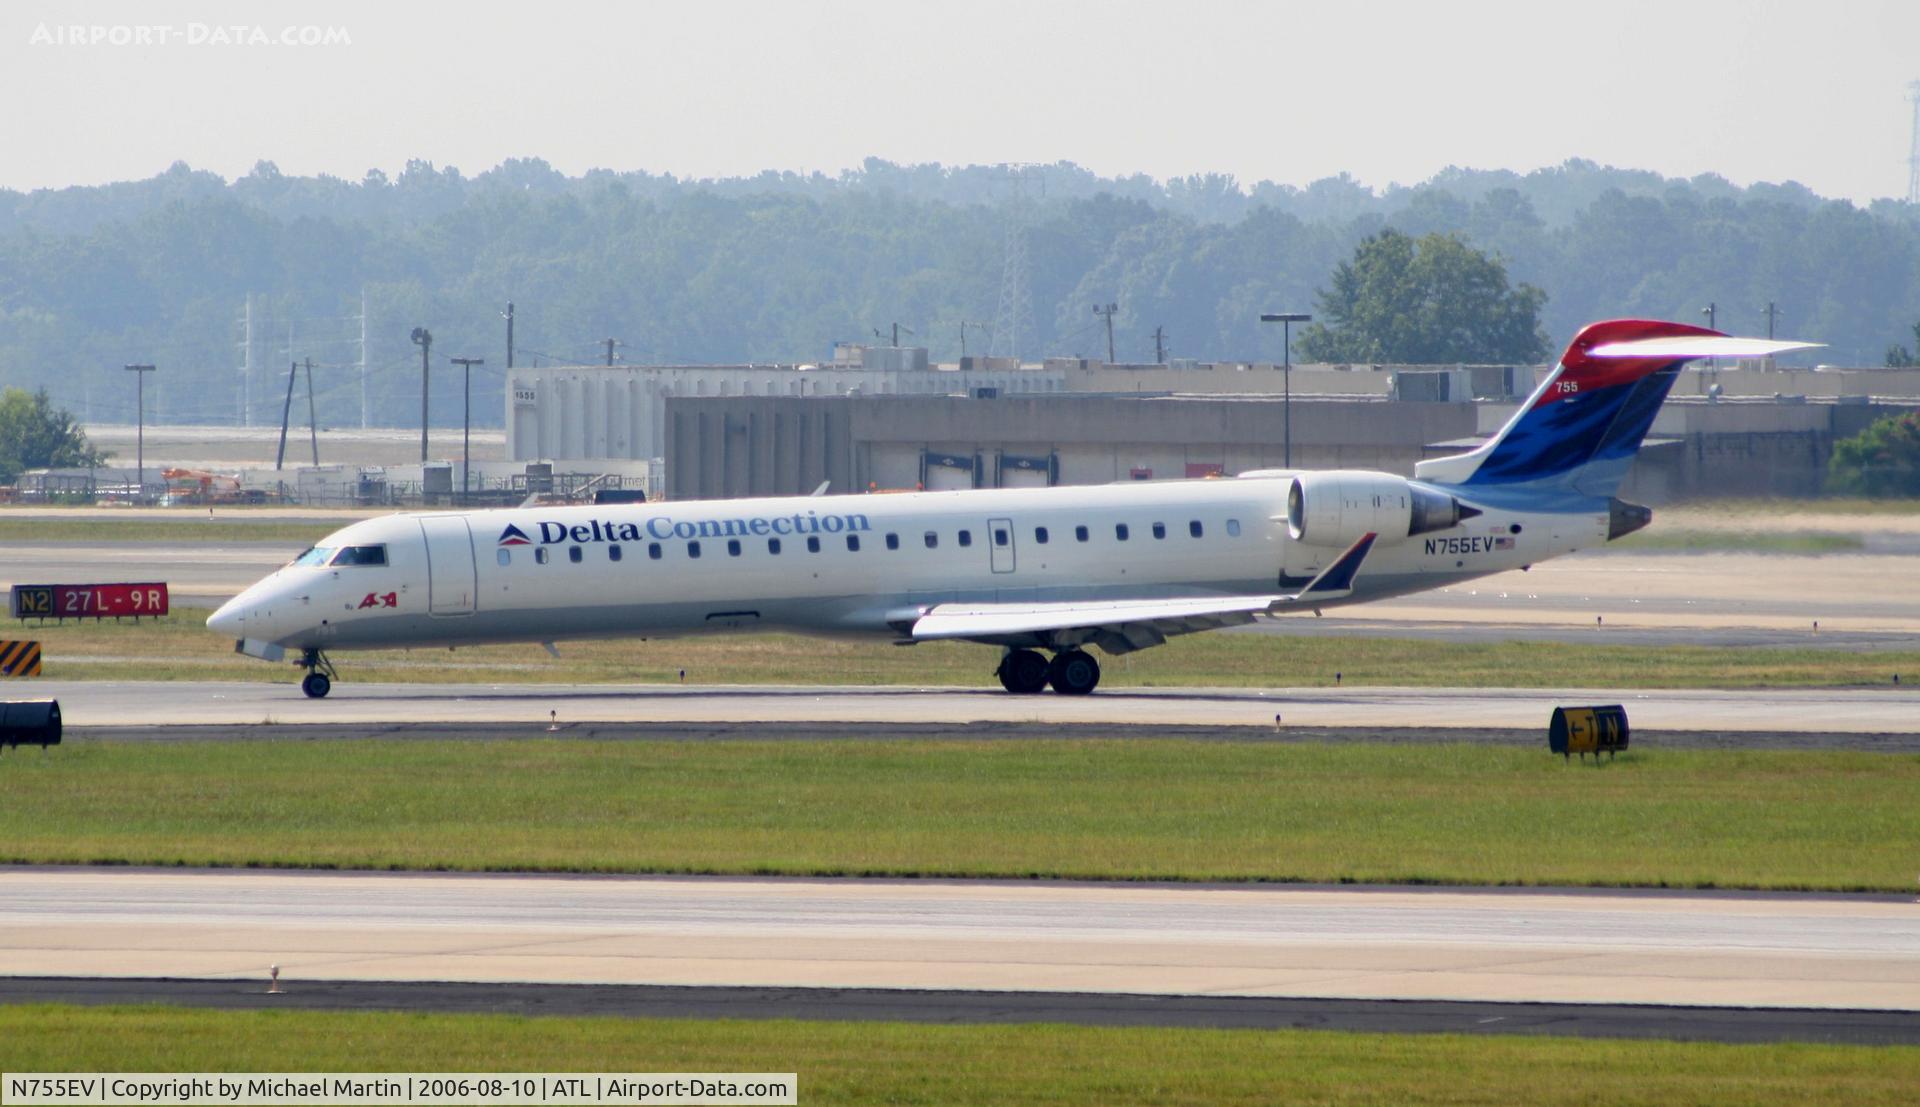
(360, 555)
(316, 555)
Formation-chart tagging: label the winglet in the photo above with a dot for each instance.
(1338, 577)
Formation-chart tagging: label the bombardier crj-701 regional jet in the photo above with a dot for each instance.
(1036, 571)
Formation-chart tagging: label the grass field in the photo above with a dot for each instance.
(1106, 809)
(189, 527)
(1730, 541)
(894, 1063)
(180, 647)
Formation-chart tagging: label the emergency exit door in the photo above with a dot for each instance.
(451, 577)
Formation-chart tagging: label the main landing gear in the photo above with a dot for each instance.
(319, 679)
(1071, 672)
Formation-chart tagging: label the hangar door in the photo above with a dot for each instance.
(450, 570)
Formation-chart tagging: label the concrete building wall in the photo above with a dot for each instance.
(593, 411)
(786, 446)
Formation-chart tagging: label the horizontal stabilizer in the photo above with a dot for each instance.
(1699, 345)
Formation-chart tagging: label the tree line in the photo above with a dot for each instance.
(778, 266)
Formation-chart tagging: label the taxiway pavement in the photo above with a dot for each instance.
(1881, 710)
(1492, 945)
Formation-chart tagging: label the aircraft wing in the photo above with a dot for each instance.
(1122, 626)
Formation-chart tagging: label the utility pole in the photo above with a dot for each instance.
(246, 367)
(366, 410)
(1286, 319)
(1771, 313)
(140, 434)
(610, 344)
(1711, 311)
(1159, 344)
(508, 315)
(286, 416)
(313, 420)
(1108, 311)
(423, 338)
(466, 365)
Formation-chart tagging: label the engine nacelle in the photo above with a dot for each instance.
(1336, 508)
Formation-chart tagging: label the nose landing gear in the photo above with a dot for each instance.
(319, 679)
(1071, 672)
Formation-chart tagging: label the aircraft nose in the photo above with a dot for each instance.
(230, 620)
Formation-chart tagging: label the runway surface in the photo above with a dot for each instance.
(1883, 710)
(956, 1008)
(1701, 949)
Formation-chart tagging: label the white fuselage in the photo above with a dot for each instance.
(544, 574)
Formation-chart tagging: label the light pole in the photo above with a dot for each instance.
(140, 433)
(466, 365)
(1108, 311)
(1286, 319)
(423, 338)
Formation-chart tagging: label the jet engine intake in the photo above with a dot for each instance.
(1335, 508)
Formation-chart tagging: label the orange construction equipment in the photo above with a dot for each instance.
(197, 486)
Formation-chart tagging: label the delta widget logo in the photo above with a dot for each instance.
(514, 536)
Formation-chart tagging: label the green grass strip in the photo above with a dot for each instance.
(1730, 541)
(189, 527)
(896, 1063)
(1125, 809)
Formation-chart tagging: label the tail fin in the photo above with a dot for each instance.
(1581, 428)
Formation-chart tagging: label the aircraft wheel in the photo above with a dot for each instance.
(1023, 672)
(316, 685)
(1073, 673)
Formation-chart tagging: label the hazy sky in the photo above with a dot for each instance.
(1388, 91)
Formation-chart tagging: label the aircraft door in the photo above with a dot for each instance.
(1000, 541)
(451, 576)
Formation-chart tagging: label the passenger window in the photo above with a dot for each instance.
(693, 549)
(1080, 534)
(966, 538)
(733, 547)
(1159, 530)
(1120, 531)
(653, 550)
(1233, 528)
(573, 554)
(999, 536)
(1193, 528)
(503, 555)
(1040, 535)
(853, 543)
(893, 541)
(933, 540)
(773, 545)
(361, 555)
(540, 555)
(813, 543)
(613, 553)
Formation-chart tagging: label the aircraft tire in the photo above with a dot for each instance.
(1073, 673)
(1023, 672)
(316, 685)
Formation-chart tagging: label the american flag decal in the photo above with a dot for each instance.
(1503, 543)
